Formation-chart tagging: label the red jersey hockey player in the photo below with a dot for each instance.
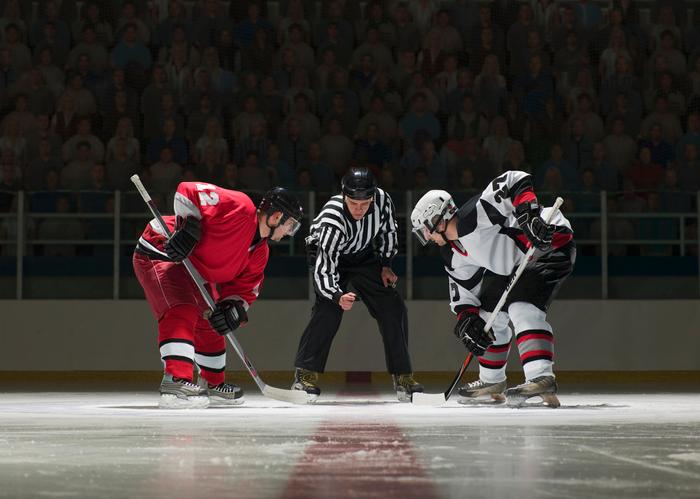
(225, 237)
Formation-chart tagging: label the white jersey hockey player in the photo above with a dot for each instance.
(491, 234)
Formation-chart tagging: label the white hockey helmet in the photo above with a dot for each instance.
(434, 207)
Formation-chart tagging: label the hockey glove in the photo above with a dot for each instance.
(470, 329)
(228, 316)
(184, 239)
(311, 251)
(537, 231)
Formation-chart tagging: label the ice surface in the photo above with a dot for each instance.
(121, 445)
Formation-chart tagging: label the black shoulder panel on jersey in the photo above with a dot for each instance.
(522, 185)
(472, 281)
(467, 217)
(494, 215)
(446, 255)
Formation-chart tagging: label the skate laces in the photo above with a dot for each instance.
(184, 381)
(476, 384)
(308, 378)
(406, 380)
(224, 387)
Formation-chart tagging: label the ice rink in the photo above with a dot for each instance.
(351, 444)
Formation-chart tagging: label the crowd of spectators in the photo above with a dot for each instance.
(587, 96)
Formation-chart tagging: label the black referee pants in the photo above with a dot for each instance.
(385, 305)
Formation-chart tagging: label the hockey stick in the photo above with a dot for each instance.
(419, 398)
(293, 396)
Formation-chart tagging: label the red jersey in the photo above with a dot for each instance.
(226, 254)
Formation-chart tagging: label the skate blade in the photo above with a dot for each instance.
(222, 402)
(520, 401)
(495, 399)
(311, 398)
(170, 401)
(403, 397)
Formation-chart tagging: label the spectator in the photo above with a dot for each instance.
(620, 147)
(655, 228)
(210, 167)
(533, 87)
(9, 184)
(428, 160)
(489, 87)
(125, 131)
(375, 18)
(566, 171)
(295, 15)
(230, 179)
(39, 97)
(385, 122)
(12, 140)
(43, 131)
(322, 176)
(692, 136)
(447, 35)
(474, 160)
(83, 134)
(582, 85)
(254, 175)
(301, 113)
(85, 103)
(304, 180)
(180, 42)
(676, 100)
(587, 198)
(589, 15)
(407, 35)
(90, 46)
(303, 53)
(631, 116)
(403, 71)
(120, 166)
(75, 175)
(338, 111)
(467, 122)
(498, 142)
(618, 229)
(545, 128)
(131, 52)
(260, 55)
(419, 119)
(212, 139)
(91, 15)
(689, 168)
(515, 160)
(293, 148)
(661, 151)
(209, 24)
(165, 173)
(669, 122)
(337, 148)
(364, 74)
(285, 175)
(593, 128)
(257, 141)
(19, 53)
(383, 87)
(675, 59)
(246, 30)
(222, 80)
(616, 50)
(34, 174)
(371, 151)
(674, 197)
(578, 149)
(621, 81)
(299, 85)
(644, 173)
(373, 46)
(607, 175)
(419, 84)
(61, 229)
(168, 139)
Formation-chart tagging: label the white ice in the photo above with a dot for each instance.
(120, 445)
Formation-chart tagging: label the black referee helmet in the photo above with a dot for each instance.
(358, 183)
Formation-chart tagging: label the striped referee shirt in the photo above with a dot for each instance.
(338, 233)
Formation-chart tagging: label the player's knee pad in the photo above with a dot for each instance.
(527, 317)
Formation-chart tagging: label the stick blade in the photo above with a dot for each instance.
(428, 399)
(291, 396)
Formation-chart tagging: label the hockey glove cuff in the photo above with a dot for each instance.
(227, 316)
(537, 231)
(186, 236)
(470, 330)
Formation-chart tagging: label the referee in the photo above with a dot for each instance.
(352, 241)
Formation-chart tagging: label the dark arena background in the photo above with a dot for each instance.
(598, 102)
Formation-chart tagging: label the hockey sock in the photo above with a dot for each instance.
(176, 340)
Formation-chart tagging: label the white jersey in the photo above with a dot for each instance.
(489, 235)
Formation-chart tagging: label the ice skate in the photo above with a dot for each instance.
(179, 393)
(479, 388)
(406, 386)
(306, 381)
(222, 394)
(542, 386)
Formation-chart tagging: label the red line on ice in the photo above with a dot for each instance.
(347, 459)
